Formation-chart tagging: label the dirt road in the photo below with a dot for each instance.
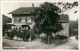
(71, 44)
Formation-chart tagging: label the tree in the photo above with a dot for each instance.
(46, 20)
(67, 6)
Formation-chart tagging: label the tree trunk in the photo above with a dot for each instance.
(49, 37)
(48, 40)
(30, 38)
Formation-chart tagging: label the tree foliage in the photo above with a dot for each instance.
(46, 20)
(67, 5)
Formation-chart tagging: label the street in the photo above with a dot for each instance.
(71, 44)
(36, 44)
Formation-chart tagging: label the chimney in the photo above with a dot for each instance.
(32, 5)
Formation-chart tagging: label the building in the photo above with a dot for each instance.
(64, 20)
(23, 15)
(6, 19)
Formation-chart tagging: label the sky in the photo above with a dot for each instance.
(7, 7)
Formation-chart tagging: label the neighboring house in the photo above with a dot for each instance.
(23, 16)
(6, 19)
(64, 20)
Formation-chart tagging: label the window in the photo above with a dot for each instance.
(18, 27)
(26, 28)
(64, 32)
(28, 20)
(23, 19)
(17, 20)
(63, 24)
(12, 27)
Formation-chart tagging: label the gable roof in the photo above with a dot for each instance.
(64, 18)
(23, 10)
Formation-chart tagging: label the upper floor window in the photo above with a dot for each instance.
(23, 19)
(28, 20)
(63, 24)
(64, 32)
(17, 20)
